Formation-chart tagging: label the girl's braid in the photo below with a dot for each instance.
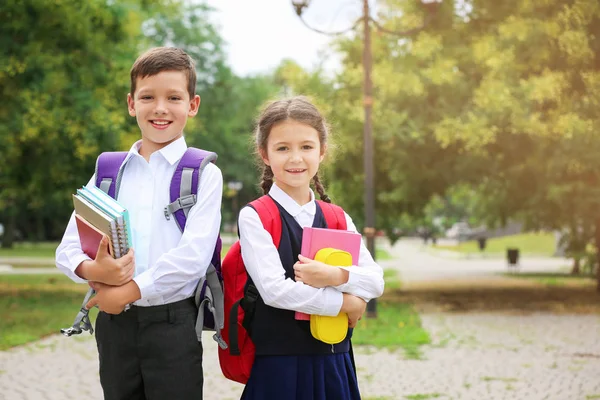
(267, 179)
(321, 189)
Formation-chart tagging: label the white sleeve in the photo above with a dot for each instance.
(68, 253)
(263, 264)
(365, 280)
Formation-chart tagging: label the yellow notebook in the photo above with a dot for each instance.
(331, 330)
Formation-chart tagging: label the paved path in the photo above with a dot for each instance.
(473, 357)
(477, 356)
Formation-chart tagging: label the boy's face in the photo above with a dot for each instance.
(161, 105)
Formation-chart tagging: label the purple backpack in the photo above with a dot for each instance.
(183, 195)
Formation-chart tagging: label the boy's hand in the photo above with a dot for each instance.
(106, 269)
(113, 299)
(355, 308)
(318, 274)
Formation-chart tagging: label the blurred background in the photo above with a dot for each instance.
(464, 144)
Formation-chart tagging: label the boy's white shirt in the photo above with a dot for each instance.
(263, 264)
(168, 264)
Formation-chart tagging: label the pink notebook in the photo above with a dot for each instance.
(315, 239)
(89, 236)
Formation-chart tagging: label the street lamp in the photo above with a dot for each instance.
(369, 194)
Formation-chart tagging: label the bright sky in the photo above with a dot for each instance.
(261, 33)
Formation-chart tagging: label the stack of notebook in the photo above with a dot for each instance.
(97, 214)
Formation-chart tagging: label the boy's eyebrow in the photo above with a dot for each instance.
(170, 91)
(287, 143)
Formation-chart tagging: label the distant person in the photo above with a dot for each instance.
(291, 139)
(151, 351)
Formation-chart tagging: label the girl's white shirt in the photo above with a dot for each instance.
(263, 264)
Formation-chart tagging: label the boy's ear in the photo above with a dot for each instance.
(194, 106)
(130, 105)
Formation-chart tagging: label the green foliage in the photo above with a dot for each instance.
(63, 70)
(502, 98)
(65, 67)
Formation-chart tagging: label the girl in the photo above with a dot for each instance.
(291, 140)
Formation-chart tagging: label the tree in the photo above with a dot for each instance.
(62, 67)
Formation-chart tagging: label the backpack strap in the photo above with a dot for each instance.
(334, 215)
(184, 184)
(109, 172)
(269, 216)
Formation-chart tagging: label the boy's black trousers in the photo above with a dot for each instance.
(150, 353)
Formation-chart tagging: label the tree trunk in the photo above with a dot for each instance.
(9, 229)
(597, 237)
(576, 266)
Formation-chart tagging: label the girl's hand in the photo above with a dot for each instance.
(355, 308)
(318, 274)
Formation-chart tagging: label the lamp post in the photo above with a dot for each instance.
(369, 194)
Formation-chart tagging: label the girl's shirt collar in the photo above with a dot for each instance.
(290, 205)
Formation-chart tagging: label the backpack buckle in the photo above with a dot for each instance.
(182, 203)
(217, 338)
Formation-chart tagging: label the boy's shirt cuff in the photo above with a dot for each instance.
(74, 262)
(146, 284)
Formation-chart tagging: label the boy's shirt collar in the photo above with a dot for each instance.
(172, 153)
(290, 205)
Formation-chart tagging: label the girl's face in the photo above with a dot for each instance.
(294, 153)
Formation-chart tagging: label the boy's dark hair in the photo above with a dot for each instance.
(161, 59)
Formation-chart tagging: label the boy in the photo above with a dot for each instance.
(151, 350)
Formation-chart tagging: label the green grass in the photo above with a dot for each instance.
(423, 396)
(381, 254)
(391, 278)
(555, 279)
(29, 249)
(396, 326)
(34, 306)
(528, 243)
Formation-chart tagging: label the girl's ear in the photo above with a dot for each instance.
(323, 151)
(265, 158)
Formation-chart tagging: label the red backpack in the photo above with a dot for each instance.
(236, 360)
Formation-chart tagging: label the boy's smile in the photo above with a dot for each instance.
(160, 123)
(161, 105)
